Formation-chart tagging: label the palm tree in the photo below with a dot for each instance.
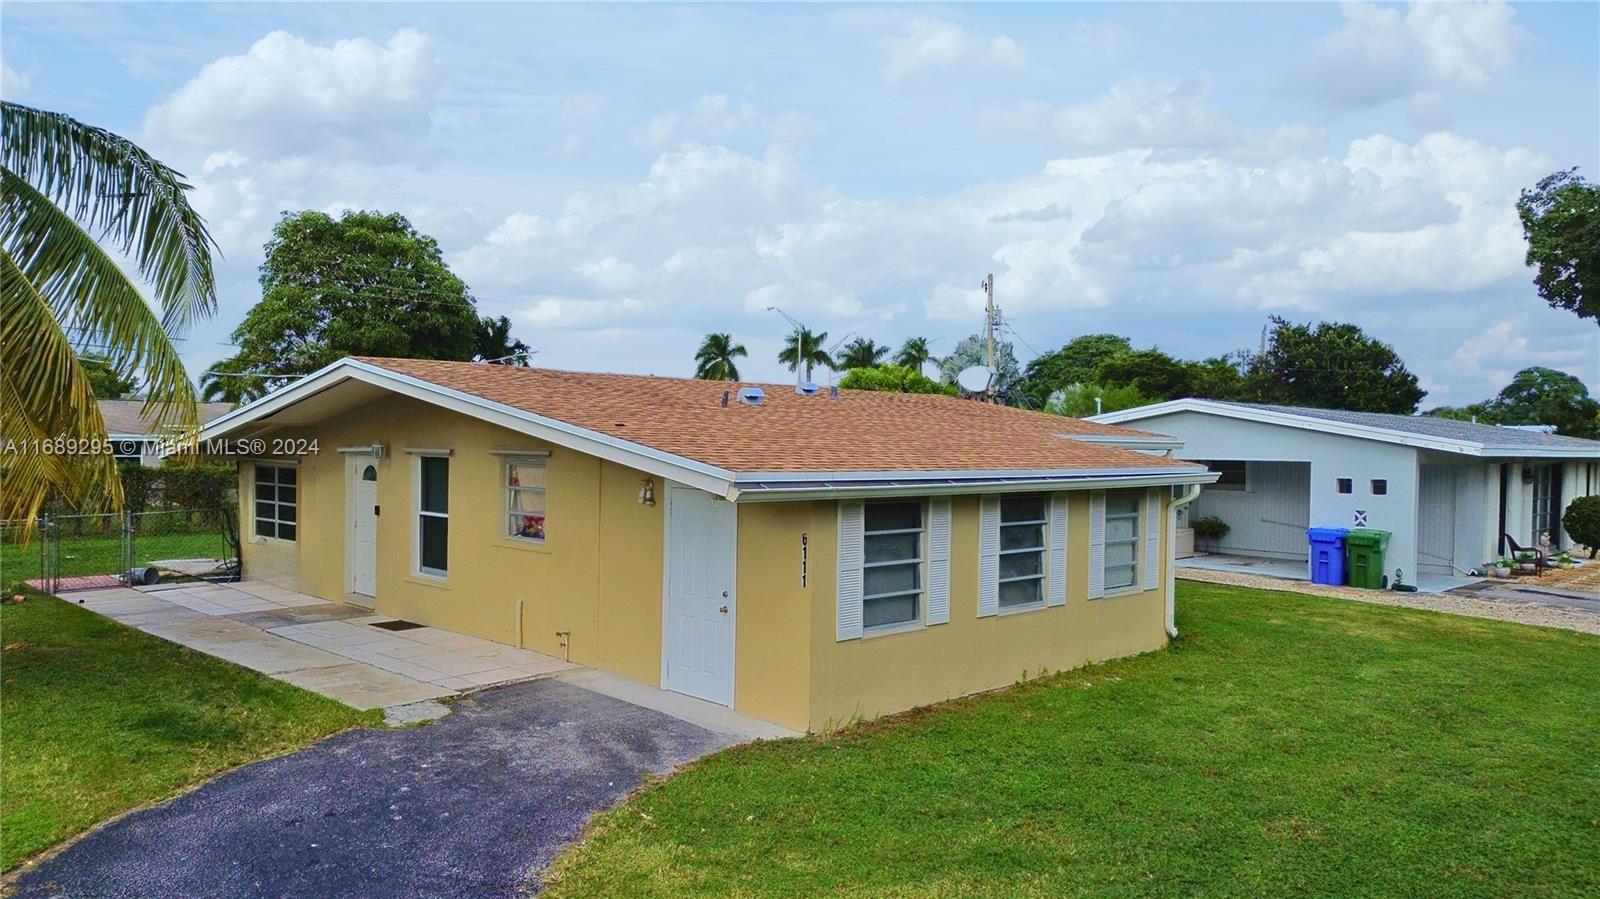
(715, 358)
(495, 343)
(914, 353)
(231, 381)
(810, 348)
(63, 186)
(862, 353)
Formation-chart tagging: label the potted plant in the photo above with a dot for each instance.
(1527, 560)
(1210, 529)
(1498, 568)
(1565, 560)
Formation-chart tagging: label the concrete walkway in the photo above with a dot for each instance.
(475, 805)
(326, 647)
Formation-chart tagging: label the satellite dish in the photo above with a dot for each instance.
(975, 379)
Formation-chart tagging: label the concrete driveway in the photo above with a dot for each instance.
(475, 804)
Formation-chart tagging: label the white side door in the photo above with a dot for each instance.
(362, 546)
(698, 611)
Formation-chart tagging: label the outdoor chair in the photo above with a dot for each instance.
(1541, 561)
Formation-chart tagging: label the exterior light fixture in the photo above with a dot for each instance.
(647, 493)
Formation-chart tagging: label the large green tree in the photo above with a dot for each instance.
(1075, 362)
(862, 353)
(802, 347)
(1083, 400)
(67, 191)
(1332, 366)
(1561, 222)
(108, 383)
(714, 359)
(1536, 396)
(363, 284)
(1157, 375)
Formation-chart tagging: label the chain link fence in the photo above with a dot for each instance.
(69, 552)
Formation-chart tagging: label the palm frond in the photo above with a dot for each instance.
(124, 195)
(92, 298)
(44, 395)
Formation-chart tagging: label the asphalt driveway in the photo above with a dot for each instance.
(475, 804)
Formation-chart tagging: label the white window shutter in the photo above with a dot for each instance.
(939, 560)
(852, 518)
(1152, 539)
(1058, 549)
(988, 556)
(1097, 544)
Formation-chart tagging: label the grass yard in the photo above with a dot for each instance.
(1284, 745)
(103, 555)
(96, 718)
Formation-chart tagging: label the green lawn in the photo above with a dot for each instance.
(103, 555)
(96, 718)
(1285, 745)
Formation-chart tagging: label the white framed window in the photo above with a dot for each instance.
(891, 567)
(1023, 518)
(433, 515)
(1235, 475)
(1122, 539)
(524, 504)
(276, 495)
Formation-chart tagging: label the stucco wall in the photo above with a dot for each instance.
(598, 575)
(878, 675)
(1269, 518)
(1331, 457)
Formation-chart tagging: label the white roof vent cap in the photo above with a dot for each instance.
(752, 396)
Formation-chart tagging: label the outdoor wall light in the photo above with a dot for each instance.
(647, 493)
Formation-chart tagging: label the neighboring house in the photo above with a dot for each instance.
(134, 439)
(804, 559)
(1448, 490)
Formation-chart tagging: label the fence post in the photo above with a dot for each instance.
(127, 549)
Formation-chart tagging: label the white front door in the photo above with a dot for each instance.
(362, 546)
(697, 626)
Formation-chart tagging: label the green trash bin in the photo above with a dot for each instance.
(1363, 558)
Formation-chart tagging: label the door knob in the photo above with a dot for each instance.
(724, 594)
(723, 610)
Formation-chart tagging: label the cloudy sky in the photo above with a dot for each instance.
(621, 179)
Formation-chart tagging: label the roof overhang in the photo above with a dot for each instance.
(836, 485)
(1345, 429)
(349, 383)
(1140, 442)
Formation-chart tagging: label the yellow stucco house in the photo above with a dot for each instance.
(808, 560)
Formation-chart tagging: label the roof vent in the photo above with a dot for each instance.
(752, 396)
(809, 388)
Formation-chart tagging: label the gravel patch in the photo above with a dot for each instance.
(1449, 603)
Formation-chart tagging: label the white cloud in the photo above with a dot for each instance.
(716, 118)
(1380, 55)
(288, 97)
(1144, 112)
(13, 84)
(924, 43)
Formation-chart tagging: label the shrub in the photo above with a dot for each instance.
(1582, 521)
(1210, 528)
(894, 379)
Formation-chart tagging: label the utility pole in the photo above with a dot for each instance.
(988, 329)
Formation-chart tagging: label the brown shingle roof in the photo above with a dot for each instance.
(858, 432)
(124, 416)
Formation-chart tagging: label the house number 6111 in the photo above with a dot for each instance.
(804, 540)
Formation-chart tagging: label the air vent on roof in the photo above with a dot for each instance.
(752, 396)
(809, 388)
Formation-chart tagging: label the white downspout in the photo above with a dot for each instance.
(1188, 497)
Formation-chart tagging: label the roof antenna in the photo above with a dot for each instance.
(724, 399)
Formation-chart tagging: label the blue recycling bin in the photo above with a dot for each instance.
(1327, 555)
